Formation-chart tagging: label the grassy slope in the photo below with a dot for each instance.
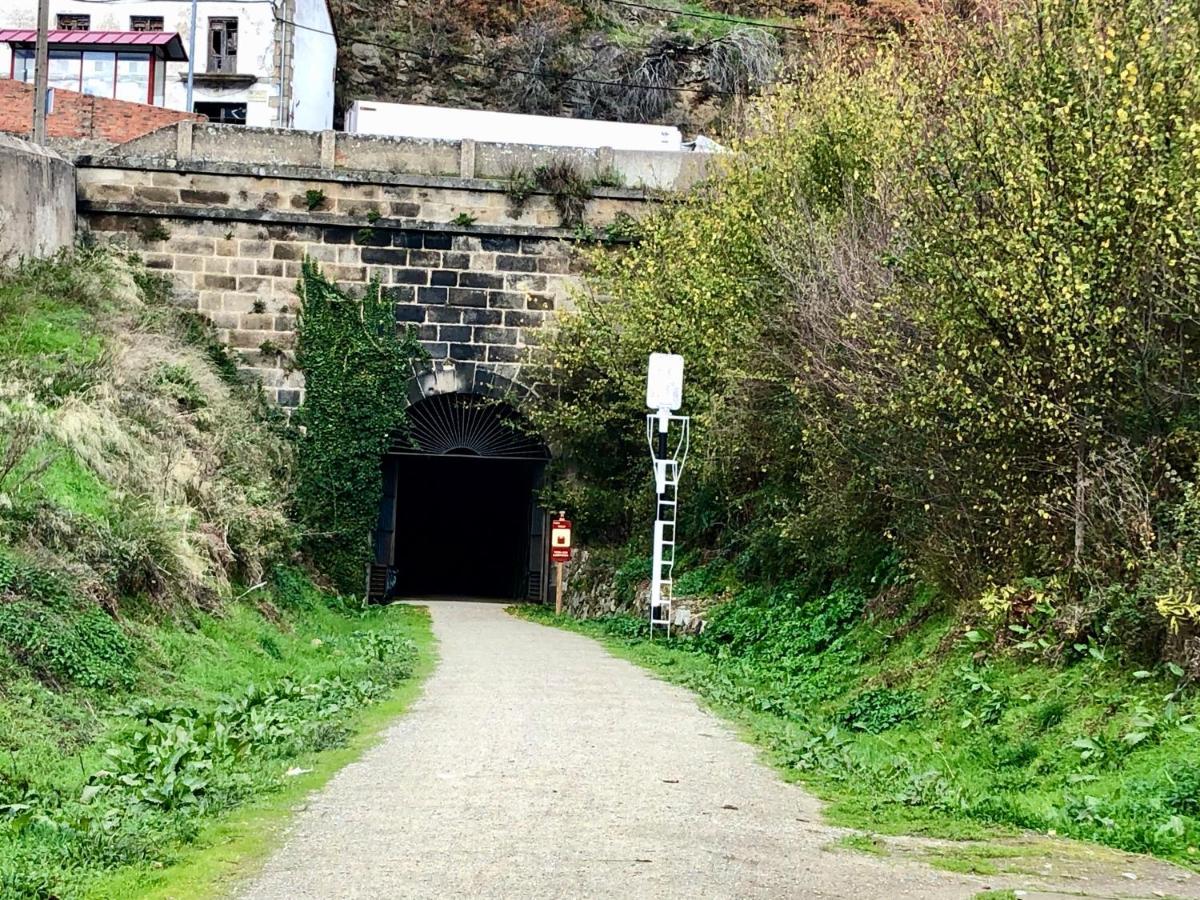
(907, 728)
(231, 846)
(144, 490)
(56, 739)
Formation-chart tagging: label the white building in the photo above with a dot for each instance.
(266, 63)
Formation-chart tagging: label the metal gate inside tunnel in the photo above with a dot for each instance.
(460, 515)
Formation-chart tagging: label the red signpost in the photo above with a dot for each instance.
(560, 552)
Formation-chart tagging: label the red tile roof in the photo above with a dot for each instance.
(168, 43)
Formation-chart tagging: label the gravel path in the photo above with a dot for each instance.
(536, 765)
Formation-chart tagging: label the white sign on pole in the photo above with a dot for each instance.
(664, 382)
(664, 395)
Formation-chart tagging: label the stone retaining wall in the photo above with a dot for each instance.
(213, 143)
(229, 214)
(37, 199)
(232, 243)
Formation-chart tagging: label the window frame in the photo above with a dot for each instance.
(201, 105)
(158, 21)
(153, 81)
(148, 58)
(221, 24)
(77, 18)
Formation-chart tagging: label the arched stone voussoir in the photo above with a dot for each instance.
(435, 377)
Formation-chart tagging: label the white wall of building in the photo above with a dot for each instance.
(314, 66)
(314, 61)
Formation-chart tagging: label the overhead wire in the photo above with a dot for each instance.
(514, 70)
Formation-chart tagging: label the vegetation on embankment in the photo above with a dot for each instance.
(939, 319)
(693, 64)
(906, 723)
(164, 657)
(105, 791)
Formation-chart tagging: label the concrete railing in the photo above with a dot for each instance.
(37, 199)
(210, 143)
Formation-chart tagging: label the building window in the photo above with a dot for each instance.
(23, 63)
(224, 113)
(101, 73)
(222, 45)
(133, 77)
(64, 69)
(145, 23)
(74, 22)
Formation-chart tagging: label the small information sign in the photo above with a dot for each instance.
(560, 540)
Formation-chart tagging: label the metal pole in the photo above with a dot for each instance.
(191, 58)
(660, 479)
(558, 589)
(40, 73)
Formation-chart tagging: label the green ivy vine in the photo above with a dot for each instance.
(355, 365)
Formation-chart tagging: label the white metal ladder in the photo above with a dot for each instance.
(664, 545)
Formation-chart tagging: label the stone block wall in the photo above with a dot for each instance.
(233, 244)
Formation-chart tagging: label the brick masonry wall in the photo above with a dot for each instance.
(478, 295)
(80, 116)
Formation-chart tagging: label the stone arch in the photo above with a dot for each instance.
(447, 377)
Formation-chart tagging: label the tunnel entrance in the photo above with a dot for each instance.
(460, 515)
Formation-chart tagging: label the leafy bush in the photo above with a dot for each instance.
(57, 635)
(779, 625)
(173, 759)
(355, 367)
(879, 709)
(936, 310)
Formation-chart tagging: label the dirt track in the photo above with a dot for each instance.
(536, 766)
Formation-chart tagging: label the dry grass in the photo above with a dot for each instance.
(174, 484)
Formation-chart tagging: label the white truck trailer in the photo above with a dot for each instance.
(450, 124)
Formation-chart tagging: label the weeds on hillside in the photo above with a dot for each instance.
(245, 703)
(140, 480)
(131, 456)
(906, 724)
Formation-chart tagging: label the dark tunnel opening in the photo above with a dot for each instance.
(464, 524)
(459, 515)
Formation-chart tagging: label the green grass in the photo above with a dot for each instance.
(55, 739)
(158, 723)
(693, 21)
(860, 843)
(49, 332)
(232, 847)
(905, 728)
(66, 482)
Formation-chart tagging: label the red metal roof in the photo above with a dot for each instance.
(165, 43)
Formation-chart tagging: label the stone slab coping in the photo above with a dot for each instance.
(12, 142)
(300, 219)
(345, 176)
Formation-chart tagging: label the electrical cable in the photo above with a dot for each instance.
(513, 70)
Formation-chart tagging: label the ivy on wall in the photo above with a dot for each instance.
(355, 366)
